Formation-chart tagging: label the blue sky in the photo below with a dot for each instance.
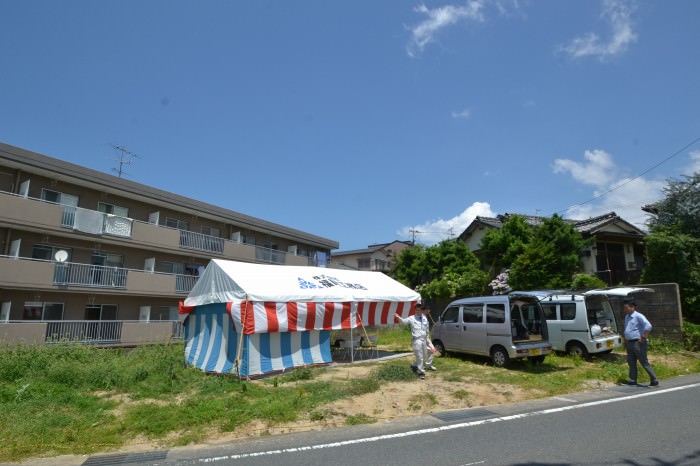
(361, 121)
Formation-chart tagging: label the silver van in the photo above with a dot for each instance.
(583, 323)
(502, 327)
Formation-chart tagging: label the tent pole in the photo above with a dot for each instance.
(240, 337)
(353, 314)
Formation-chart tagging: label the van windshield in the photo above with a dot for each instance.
(600, 313)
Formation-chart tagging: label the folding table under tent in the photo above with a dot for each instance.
(253, 319)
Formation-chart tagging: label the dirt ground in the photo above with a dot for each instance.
(393, 400)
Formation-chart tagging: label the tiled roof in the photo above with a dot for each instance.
(588, 226)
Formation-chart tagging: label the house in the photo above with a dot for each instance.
(92, 257)
(616, 256)
(376, 257)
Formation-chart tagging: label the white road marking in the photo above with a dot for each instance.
(433, 430)
(561, 398)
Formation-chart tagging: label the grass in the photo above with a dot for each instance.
(75, 399)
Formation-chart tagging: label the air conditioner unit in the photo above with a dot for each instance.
(292, 249)
(236, 236)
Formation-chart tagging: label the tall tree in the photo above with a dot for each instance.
(501, 246)
(673, 246)
(550, 259)
(444, 270)
(679, 210)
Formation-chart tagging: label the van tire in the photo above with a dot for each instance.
(536, 360)
(440, 347)
(499, 356)
(575, 348)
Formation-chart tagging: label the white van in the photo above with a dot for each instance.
(582, 323)
(502, 327)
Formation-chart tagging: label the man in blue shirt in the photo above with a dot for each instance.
(637, 329)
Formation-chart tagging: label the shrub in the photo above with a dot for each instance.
(691, 336)
(586, 281)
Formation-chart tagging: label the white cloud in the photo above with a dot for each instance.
(466, 113)
(598, 171)
(694, 166)
(619, 14)
(438, 19)
(435, 231)
(621, 194)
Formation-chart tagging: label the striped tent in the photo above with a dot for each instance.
(253, 319)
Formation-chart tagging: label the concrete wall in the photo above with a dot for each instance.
(662, 308)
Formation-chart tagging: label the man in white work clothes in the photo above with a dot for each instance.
(420, 340)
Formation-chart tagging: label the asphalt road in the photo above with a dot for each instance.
(621, 425)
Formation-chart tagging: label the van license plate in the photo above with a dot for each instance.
(609, 344)
(535, 352)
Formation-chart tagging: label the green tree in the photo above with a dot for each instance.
(550, 259)
(444, 270)
(673, 246)
(679, 211)
(501, 246)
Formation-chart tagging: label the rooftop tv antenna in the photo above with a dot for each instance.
(124, 157)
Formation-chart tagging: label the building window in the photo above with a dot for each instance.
(211, 231)
(363, 264)
(113, 209)
(108, 260)
(42, 311)
(171, 267)
(101, 312)
(46, 252)
(59, 198)
(379, 264)
(175, 223)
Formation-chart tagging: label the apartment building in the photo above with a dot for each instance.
(90, 256)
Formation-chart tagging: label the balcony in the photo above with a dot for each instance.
(31, 274)
(47, 217)
(91, 332)
(96, 223)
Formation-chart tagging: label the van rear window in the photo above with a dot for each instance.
(495, 313)
(550, 311)
(568, 311)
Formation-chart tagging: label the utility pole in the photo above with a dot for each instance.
(413, 233)
(124, 157)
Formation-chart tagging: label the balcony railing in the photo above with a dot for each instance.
(184, 283)
(268, 255)
(89, 331)
(201, 242)
(97, 223)
(97, 276)
(141, 232)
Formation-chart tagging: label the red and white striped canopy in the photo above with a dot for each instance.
(269, 298)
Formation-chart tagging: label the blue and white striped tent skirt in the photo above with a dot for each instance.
(211, 343)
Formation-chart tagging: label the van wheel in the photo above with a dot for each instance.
(577, 349)
(499, 356)
(440, 347)
(536, 360)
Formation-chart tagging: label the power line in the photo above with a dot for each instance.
(693, 142)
